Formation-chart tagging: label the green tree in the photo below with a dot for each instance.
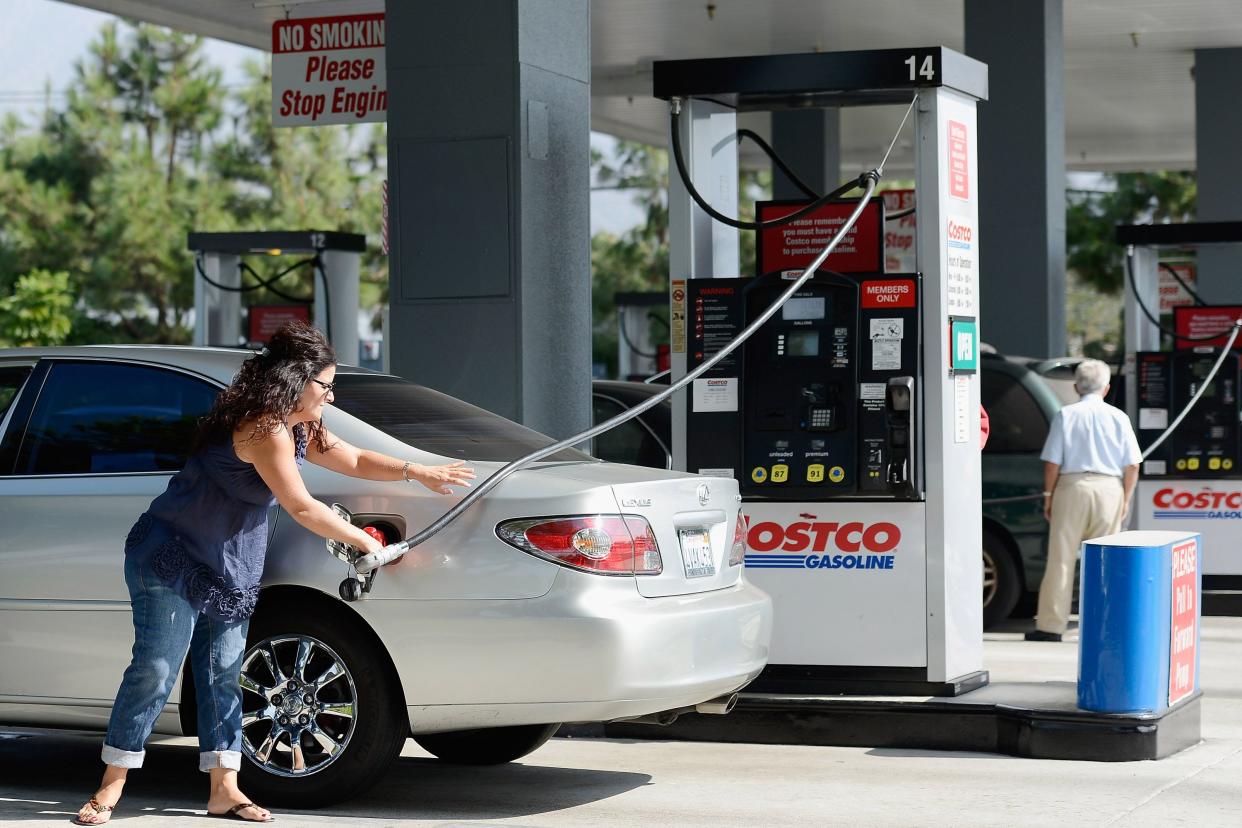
(306, 178)
(107, 187)
(637, 260)
(38, 310)
(148, 147)
(1096, 263)
(1091, 219)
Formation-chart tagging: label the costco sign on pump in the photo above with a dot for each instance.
(847, 578)
(329, 70)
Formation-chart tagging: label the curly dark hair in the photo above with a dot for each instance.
(267, 386)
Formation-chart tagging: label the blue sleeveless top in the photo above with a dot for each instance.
(206, 535)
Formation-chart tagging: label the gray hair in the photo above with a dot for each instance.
(1091, 376)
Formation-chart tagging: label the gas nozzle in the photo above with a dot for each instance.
(375, 560)
(363, 568)
(899, 400)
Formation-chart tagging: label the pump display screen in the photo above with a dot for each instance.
(802, 343)
(803, 307)
(1200, 370)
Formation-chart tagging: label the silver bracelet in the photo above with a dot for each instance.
(405, 469)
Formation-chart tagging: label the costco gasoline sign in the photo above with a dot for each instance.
(329, 70)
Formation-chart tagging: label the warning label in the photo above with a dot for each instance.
(677, 313)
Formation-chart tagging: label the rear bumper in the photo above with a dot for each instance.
(591, 649)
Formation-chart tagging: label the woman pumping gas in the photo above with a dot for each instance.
(193, 560)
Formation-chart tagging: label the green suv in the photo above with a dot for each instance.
(1021, 397)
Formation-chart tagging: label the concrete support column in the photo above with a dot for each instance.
(342, 271)
(809, 141)
(1021, 173)
(217, 313)
(1218, 134)
(490, 271)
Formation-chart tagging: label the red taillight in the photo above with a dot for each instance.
(606, 544)
(737, 553)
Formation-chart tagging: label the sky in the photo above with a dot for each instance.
(41, 39)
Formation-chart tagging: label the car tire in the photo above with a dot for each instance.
(486, 746)
(1002, 586)
(347, 714)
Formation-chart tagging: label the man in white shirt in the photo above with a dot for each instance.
(1091, 462)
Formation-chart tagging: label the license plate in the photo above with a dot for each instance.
(696, 552)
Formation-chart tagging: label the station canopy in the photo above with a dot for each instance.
(1129, 86)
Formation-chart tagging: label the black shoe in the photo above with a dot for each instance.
(1040, 635)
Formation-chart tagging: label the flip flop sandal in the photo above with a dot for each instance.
(99, 810)
(235, 813)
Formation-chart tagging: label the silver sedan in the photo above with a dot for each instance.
(576, 591)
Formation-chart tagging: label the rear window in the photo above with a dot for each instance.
(438, 423)
(1017, 422)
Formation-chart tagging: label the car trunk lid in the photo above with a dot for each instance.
(693, 518)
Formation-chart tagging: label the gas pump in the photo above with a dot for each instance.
(850, 420)
(218, 284)
(1184, 404)
(825, 408)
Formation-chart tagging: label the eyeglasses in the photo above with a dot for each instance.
(327, 386)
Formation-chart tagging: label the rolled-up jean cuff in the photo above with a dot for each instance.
(122, 758)
(230, 759)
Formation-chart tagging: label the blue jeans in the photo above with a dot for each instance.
(166, 626)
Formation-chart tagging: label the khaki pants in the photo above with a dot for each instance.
(1084, 506)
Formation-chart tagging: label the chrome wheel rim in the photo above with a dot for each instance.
(990, 580)
(299, 705)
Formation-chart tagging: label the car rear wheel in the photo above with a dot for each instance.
(487, 746)
(1001, 583)
(321, 720)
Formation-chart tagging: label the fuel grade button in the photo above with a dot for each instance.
(815, 473)
(780, 473)
(759, 474)
(836, 474)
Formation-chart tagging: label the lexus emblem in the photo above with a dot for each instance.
(704, 493)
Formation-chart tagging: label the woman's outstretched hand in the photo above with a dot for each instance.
(440, 478)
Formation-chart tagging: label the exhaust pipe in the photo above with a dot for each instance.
(717, 706)
(663, 719)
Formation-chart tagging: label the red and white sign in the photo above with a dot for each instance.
(1202, 321)
(889, 293)
(959, 161)
(848, 579)
(1211, 508)
(265, 320)
(1183, 647)
(329, 70)
(900, 234)
(959, 210)
(795, 245)
(1173, 295)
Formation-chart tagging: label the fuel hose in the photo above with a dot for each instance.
(1164, 435)
(1207, 381)
(867, 181)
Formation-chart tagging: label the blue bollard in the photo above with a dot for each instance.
(1138, 646)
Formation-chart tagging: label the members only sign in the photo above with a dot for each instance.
(329, 70)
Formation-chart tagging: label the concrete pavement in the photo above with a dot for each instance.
(589, 782)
